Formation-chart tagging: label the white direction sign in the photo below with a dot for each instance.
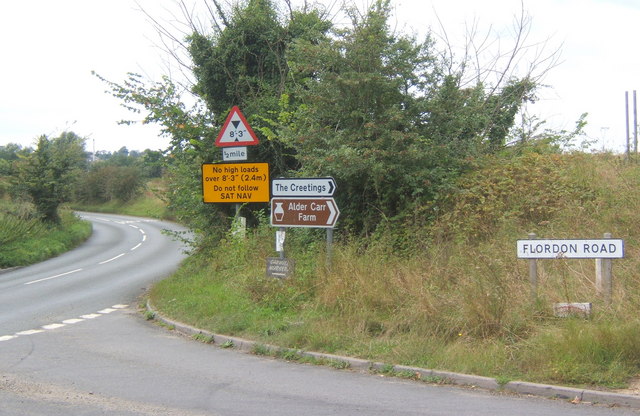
(303, 187)
(236, 131)
(604, 248)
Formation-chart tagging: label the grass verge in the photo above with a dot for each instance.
(451, 295)
(41, 241)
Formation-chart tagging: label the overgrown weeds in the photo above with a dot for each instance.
(25, 239)
(451, 295)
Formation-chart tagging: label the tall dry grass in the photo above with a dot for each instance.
(465, 292)
(451, 294)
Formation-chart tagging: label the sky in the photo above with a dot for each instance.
(48, 50)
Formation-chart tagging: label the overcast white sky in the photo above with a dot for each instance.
(49, 48)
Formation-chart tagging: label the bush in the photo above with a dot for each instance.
(104, 183)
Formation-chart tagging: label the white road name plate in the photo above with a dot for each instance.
(605, 248)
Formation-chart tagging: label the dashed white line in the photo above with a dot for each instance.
(130, 224)
(7, 337)
(112, 259)
(52, 277)
(64, 323)
(30, 332)
(52, 326)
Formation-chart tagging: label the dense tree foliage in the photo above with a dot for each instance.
(385, 114)
(118, 175)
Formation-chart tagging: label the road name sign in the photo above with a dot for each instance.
(235, 182)
(303, 187)
(236, 131)
(605, 248)
(304, 212)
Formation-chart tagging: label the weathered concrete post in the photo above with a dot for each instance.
(533, 273)
(329, 248)
(604, 285)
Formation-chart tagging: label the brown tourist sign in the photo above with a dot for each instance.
(304, 212)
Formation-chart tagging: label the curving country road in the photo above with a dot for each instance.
(123, 255)
(73, 343)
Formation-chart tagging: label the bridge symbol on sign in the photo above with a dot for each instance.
(236, 131)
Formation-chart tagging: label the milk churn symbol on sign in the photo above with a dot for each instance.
(278, 212)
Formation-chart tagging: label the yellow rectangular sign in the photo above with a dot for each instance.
(235, 182)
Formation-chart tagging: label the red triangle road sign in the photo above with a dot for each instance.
(236, 131)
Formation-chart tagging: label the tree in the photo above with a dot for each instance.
(151, 163)
(10, 154)
(245, 62)
(241, 62)
(359, 113)
(49, 173)
(393, 119)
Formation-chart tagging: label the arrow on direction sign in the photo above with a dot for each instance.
(333, 212)
(303, 187)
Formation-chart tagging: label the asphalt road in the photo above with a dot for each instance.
(72, 342)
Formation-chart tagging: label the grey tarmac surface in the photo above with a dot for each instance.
(92, 352)
(120, 364)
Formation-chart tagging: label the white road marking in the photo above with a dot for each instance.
(52, 277)
(7, 337)
(30, 332)
(112, 259)
(52, 326)
(66, 322)
(144, 238)
(139, 244)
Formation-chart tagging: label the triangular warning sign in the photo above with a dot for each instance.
(236, 131)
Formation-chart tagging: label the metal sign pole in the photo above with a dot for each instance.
(533, 274)
(281, 238)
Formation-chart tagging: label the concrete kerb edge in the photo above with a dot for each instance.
(487, 383)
